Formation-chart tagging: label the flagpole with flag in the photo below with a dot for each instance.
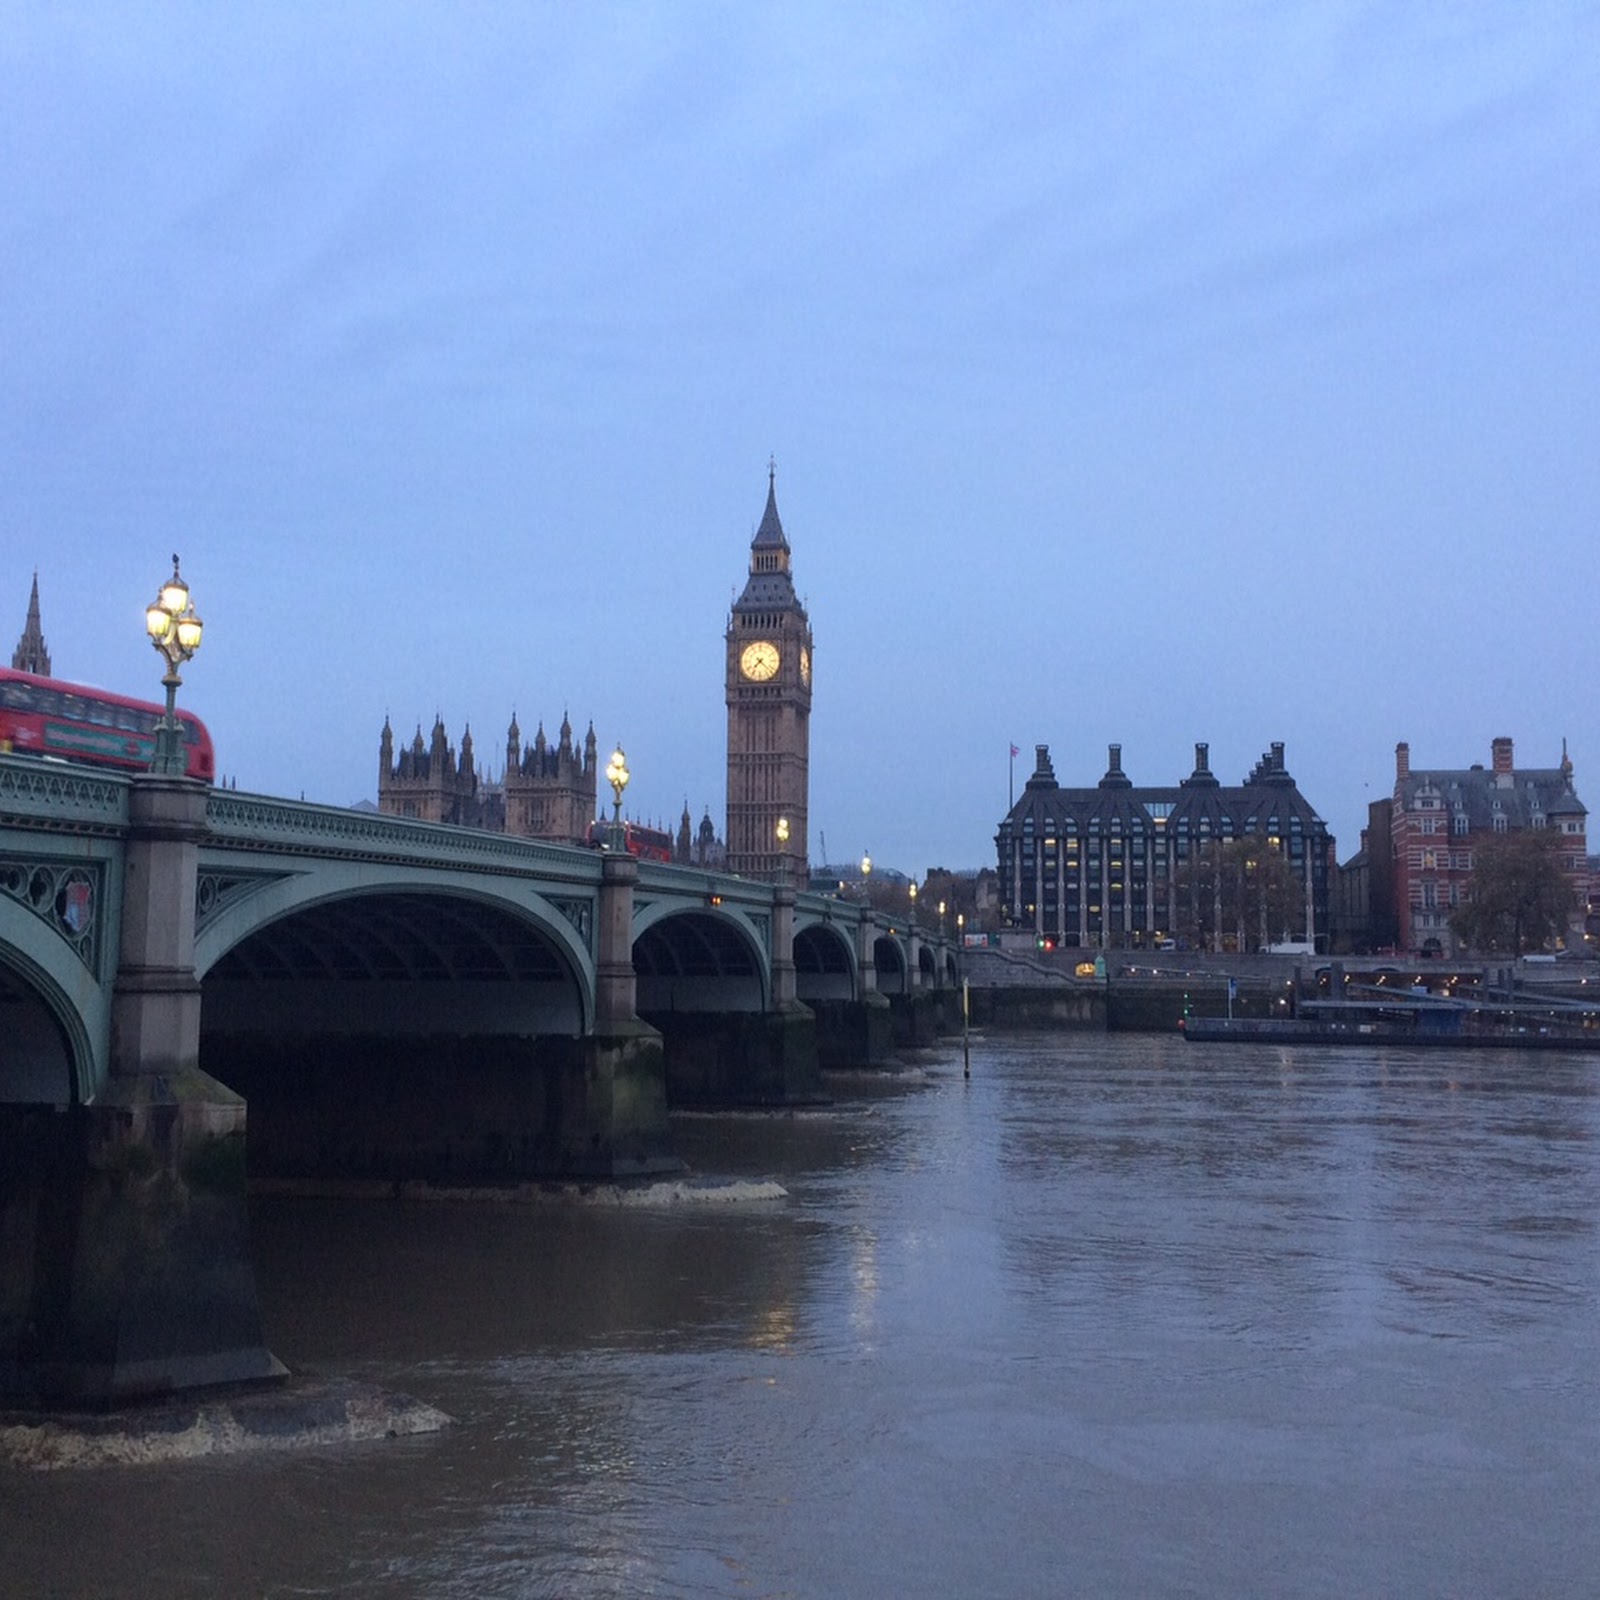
(1011, 781)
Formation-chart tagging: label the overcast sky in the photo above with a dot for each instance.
(1139, 373)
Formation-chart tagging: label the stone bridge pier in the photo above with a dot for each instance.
(854, 1028)
(728, 1039)
(142, 1283)
(616, 1122)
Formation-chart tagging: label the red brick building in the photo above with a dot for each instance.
(1439, 817)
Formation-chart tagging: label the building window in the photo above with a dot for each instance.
(1500, 823)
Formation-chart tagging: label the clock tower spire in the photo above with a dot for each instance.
(768, 678)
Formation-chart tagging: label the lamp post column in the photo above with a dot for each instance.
(155, 1007)
(866, 953)
(617, 987)
(783, 979)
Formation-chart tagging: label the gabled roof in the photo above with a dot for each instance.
(1478, 794)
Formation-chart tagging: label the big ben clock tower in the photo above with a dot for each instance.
(769, 712)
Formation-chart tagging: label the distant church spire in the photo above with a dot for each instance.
(32, 654)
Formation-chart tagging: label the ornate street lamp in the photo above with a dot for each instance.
(913, 893)
(941, 919)
(866, 877)
(174, 630)
(617, 776)
(783, 848)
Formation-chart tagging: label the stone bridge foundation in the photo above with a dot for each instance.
(741, 1058)
(854, 1033)
(142, 1283)
(449, 1108)
(918, 1018)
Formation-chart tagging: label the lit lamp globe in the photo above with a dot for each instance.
(175, 629)
(617, 776)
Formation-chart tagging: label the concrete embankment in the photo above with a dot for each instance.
(1007, 990)
(1012, 990)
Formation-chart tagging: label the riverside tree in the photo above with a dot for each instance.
(1521, 899)
(1243, 888)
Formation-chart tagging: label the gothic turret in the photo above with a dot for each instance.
(32, 655)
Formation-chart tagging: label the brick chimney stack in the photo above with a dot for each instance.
(1402, 762)
(1502, 754)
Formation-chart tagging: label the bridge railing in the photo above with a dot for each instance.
(264, 822)
(56, 794)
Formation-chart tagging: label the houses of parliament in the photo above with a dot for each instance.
(550, 791)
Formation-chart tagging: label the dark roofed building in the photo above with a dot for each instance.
(1099, 867)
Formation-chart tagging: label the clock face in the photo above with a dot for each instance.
(805, 665)
(760, 660)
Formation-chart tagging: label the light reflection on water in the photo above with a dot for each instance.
(1116, 1317)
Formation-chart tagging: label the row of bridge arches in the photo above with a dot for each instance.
(392, 963)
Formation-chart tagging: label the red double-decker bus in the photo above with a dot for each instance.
(648, 844)
(72, 722)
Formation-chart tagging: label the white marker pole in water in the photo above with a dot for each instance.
(966, 1043)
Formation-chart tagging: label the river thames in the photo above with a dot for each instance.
(1118, 1316)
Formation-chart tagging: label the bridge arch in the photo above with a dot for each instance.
(889, 957)
(394, 958)
(48, 1057)
(518, 912)
(698, 959)
(52, 1015)
(825, 963)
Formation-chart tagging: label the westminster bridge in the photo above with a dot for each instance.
(394, 1001)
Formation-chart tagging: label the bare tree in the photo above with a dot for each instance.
(1521, 896)
(1241, 887)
